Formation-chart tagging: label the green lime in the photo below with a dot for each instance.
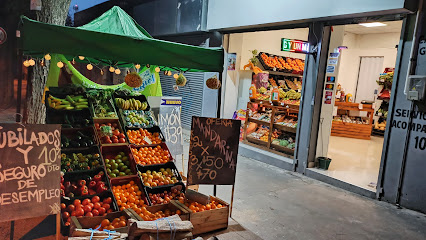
(123, 168)
(112, 175)
(115, 171)
(125, 158)
(118, 161)
(121, 174)
(108, 166)
(114, 166)
(128, 172)
(117, 157)
(106, 161)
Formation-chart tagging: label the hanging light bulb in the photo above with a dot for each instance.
(147, 66)
(117, 71)
(169, 73)
(60, 64)
(137, 66)
(111, 69)
(42, 63)
(31, 62)
(73, 61)
(81, 57)
(102, 72)
(157, 69)
(175, 76)
(47, 57)
(26, 63)
(89, 66)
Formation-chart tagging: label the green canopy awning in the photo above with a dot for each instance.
(115, 38)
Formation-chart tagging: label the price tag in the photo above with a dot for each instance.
(146, 139)
(360, 106)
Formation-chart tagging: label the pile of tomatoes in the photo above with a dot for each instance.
(198, 207)
(140, 137)
(106, 137)
(116, 223)
(165, 197)
(88, 207)
(150, 155)
(129, 196)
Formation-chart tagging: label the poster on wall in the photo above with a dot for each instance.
(328, 97)
(329, 86)
(330, 69)
(170, 124)
(29, 170)
(232, 60)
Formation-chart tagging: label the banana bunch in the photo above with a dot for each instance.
(131, 104)
(69, 103)
(291, 95)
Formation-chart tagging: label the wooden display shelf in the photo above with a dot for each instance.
(259, 121)
(284, 74)
(257, 141)
(284, 128)
(282, 149)
(351, 130)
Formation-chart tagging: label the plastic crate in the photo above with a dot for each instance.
(171, 165)
(154, 129)
(109, 152)
(72, 133)
(163, 146)
(87, 176)
(324, 162)
(125, 180)
(180, 186)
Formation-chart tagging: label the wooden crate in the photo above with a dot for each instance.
(351, 130)
(208, 220)
(94, 222)
(173, 205)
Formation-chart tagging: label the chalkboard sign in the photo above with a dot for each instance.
(29, 170)
(170, 124)
(213, 151)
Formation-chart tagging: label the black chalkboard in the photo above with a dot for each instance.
(213, 151)
(29, 170)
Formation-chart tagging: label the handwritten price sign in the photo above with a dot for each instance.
(29, 170)
(170, 124)
(213, 151)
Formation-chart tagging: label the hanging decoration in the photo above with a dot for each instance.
(133, 80)
(213, 83)
(181, 80)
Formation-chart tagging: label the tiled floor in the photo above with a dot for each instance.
(355, 161)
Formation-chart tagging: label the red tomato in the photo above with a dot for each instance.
(95, 199)
(95, 212)
(97, 125)
(106, 206)
(121, 140)
(71, 208)
(108, 141)
(115, 140)
(97, 205)
(89, 214)
(87, 209)
(121, 135)
(109, 124)
(108, 200)
(79, 212)
(77, 202)
(109, 210)
(101, 211)
(92, 205)
(115, 125)
(114, 137)
(67, 223)
(65, 215)
(86, 201)
(63, 207)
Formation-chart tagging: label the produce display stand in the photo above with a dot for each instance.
(353, 130)
(287, 110)
(146, 50)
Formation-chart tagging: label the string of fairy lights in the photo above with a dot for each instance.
(29, 62)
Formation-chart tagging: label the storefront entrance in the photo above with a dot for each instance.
(358, 82)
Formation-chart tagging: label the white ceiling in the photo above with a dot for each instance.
(391, 27)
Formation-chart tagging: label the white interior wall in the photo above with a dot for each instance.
(364, 45)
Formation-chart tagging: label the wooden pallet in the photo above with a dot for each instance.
(351, 130)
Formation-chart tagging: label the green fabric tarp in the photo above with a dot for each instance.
(116, 38)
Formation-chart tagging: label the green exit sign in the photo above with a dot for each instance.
(292, 45)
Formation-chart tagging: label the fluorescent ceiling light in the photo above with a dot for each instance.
(373, 24)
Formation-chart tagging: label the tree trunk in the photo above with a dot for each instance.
(53, 12)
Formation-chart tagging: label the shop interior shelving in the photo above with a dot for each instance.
(353, 130)
(288, 110)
